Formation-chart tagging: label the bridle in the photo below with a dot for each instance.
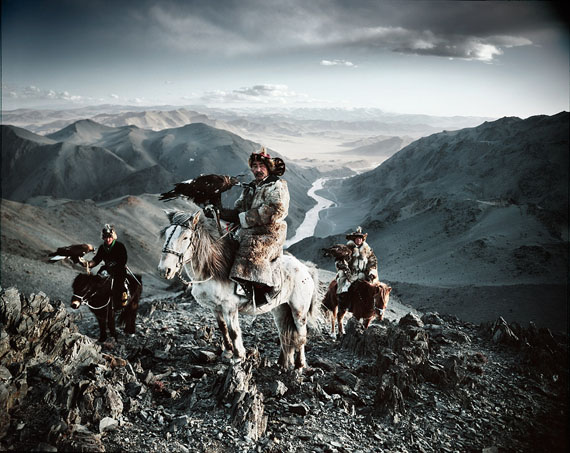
(84, 300)
(181, 262)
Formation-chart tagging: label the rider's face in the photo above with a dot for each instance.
(358, 240)
(108, 240)
(260, 171)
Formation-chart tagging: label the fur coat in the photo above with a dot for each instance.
(261, 211)
(363, 264)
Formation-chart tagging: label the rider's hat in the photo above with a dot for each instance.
(357, 234)
(108, 231)
(274, 165)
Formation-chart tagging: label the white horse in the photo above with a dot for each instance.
(194, 239)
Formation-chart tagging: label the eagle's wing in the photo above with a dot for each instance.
(206, 189)
(74, 252)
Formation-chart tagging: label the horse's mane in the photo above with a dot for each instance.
(213, 254)
(84, 279)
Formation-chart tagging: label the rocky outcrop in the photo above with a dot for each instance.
(425, 384)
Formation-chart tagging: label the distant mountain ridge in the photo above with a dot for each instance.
(89, 160)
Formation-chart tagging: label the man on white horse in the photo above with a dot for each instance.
(260, 211)
(362, 264)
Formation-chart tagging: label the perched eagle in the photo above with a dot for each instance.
(338, 252)
(205, 189)
(73, 252)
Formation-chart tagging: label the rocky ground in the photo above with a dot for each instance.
(408, 384)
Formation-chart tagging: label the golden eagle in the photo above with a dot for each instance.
(205, 189)
(338, 252)
(73, 252)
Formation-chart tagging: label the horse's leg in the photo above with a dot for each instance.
(366, 322)
(300, 320)
(111, 320)
(333, 318)
(340, 317)
(284, 323)
(133, 308)
(102, 321)
(224, 331)
(299, 305)
(130, 315)
(234, 331)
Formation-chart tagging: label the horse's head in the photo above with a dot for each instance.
(381, 299)
(179, 242)
(84, 287)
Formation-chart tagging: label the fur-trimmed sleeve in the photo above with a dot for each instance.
(273, 206)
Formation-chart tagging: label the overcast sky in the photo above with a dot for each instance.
(442, 58)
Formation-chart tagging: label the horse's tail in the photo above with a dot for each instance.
(315, 314)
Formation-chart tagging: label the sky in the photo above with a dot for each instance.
(445, 58)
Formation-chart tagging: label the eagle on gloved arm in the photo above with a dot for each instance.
(74, 252)
(204, 190)
(338, 252)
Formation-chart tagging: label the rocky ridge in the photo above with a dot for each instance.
(425, 384)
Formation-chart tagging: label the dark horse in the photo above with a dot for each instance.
(364, 300)
(95, 292)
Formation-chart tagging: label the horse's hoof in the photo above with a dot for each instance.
(235, 360)
(227, 355)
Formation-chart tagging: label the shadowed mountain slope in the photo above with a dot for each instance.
(89, 160)
(483, 209)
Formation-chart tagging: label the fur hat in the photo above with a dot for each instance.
(275, 165)
(108, 230)
(357, 234)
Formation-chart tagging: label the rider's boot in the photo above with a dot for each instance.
(261, 295)
(125, 295)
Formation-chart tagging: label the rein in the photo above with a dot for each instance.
(84, 300)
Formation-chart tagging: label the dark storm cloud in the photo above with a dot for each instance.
(471, 30)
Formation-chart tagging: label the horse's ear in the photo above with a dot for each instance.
(389, 288)
(195, 218)
(169, 213)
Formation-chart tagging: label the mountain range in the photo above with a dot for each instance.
(88, 160)
(472, 222)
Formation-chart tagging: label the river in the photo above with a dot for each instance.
(307, 228)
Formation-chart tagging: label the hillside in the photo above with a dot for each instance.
(477, 216)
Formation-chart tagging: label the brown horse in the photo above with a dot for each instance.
(96, 292)
(364, 300)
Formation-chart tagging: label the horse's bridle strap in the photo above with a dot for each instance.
(167, 249)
